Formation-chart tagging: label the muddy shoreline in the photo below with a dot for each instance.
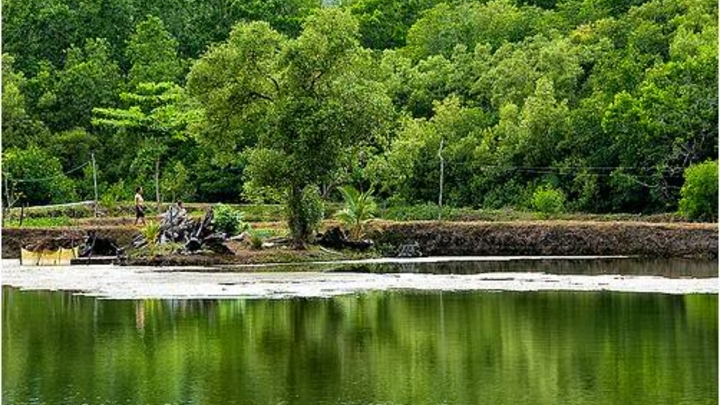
(537, 238)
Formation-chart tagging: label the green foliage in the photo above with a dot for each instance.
(19, 129)
(89, 79)
(153, 123)
(151, 233)
(359, 208)
(72, 146)
(699, 200)
(42, 222)
(229, 220)
(37, 176)
(418, 212)
(256, 240)
(114, 194)
(609, 101)
(152, 50)
(385, 24)
(470, 23)
(548, 200)
(175, 182)
(308, 101)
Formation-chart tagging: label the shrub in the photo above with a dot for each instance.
(229, 220)
(421, 212)
(256, 240)
(359, 207)
(37, 176)
(151, 233)
(111, 198)
(699, 194)
(548, 200)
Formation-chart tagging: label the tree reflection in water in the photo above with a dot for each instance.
(394, 348)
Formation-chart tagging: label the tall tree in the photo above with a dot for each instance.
(385, 24)
(308, 101)
(153, 54)
(19, 129)
(89, 79)
(152, 124)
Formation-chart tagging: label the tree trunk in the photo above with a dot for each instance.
(296, 217)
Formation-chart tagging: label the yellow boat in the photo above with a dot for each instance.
(60, 257)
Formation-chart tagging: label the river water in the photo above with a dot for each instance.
(370, 347)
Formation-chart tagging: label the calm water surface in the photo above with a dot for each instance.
(376, 348)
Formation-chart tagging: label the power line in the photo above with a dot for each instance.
(46, 178)
(555, 168)
(669, 171)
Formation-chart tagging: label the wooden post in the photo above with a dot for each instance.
(442, 173)
(8, 204)
(22, 215)
(157, 183)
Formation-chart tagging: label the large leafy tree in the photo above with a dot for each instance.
(38, 31)
(307, 102)
(151, 126)
(35, 176)
(19, 129)
(385, 24)
(153, 54)
(90, 78)
(633, 100)
(446, 25)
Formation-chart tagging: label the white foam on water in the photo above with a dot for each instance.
(119, 282)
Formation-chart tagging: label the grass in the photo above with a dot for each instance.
(273, 215)
(41, 222)
(429, 212)
(156, 250)
(252, 212)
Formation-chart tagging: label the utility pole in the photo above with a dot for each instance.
(157, 183)
(442, 174)
(95, 209)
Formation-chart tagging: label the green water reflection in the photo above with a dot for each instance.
(378, 348)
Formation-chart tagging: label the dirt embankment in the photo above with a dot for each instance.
(522, 238)
(552, 238)
(14, 238)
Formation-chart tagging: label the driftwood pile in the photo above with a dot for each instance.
(96, 245)
(176, 226)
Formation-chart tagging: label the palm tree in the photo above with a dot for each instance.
(359, 208)
(151, 232)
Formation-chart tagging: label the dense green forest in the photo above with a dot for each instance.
(599, 105)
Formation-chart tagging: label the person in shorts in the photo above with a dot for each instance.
(139, 206)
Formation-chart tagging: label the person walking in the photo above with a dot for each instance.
(139, 206)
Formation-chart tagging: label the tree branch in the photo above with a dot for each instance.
(260, 95)
(277, 86)
(314, 80)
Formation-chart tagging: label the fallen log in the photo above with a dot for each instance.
(336, 238)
